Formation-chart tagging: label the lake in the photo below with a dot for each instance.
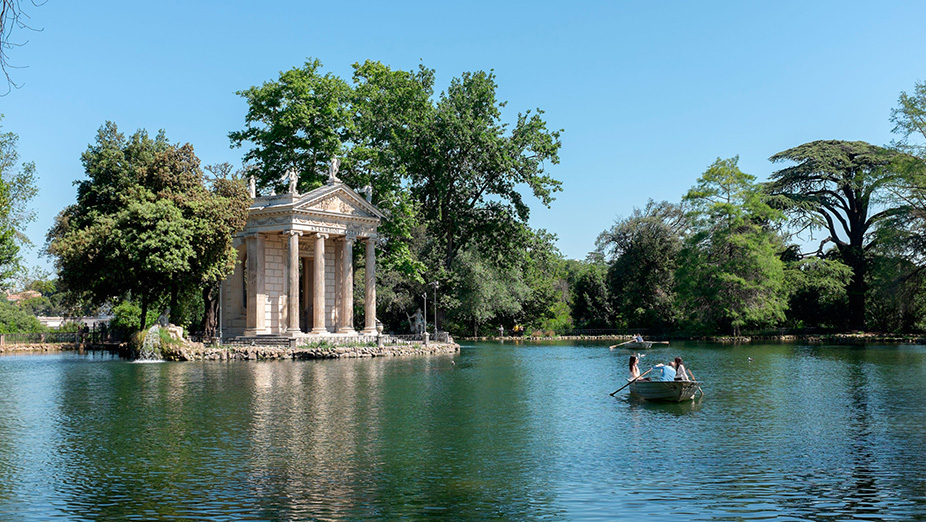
(497, 432)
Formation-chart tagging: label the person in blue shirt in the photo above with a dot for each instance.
(664, 372)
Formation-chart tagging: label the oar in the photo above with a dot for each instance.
(621, 344)
(632, 381)
(696, 380)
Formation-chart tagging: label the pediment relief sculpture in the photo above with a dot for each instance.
(337, 203)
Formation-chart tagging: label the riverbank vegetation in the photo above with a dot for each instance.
(833, 240)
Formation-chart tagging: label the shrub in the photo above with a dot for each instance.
(15, 320)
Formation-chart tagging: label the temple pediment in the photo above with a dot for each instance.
(331, 209)
(337, 200)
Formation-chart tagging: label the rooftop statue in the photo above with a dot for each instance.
(333, 166)
(293, 178)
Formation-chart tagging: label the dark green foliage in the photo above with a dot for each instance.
(591, 300)
(17, 189)
(299, 121)
(897, 301)
(145, 223)
(730, 275)
(127, 317)
(643, 254)
(837, 186)
(817, 287)
(15, 320)
(467, 169)
(487, 291)
(448, 171)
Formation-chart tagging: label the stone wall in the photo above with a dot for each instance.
(38, 347)
(194, 352)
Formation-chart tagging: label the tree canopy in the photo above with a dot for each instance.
(837, 186)
(643, 253)
(449, 171)
(145, 222)
(730, 273)
(17, 189)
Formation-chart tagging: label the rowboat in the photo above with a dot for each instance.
(637, 345)
(670, 391)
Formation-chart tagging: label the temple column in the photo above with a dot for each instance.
(292, 288)
(346, 313)
(369, 287)
(256, 297)
(306, 293)
(318, 294)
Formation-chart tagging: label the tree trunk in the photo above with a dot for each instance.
(172, 308)
(857, 287)
(211, 315)
(144, 313)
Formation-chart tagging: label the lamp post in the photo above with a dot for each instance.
(425, 295)
(435, 285)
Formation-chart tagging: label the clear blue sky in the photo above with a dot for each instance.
(648, 93)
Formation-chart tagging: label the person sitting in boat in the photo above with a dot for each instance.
(637, 338)
(664, 372)
(681, 373)
(635, 370)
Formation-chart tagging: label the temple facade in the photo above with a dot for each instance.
(295, 270)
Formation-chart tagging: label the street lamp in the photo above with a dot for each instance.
(425, 327)
(435, 285)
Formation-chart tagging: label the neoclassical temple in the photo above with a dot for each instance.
(295, 275)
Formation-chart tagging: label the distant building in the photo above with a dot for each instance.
(56, 322)
(22, 296)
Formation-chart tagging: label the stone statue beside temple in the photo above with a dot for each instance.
(416, 322)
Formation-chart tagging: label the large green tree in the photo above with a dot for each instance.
(468, 170)
(299, 121)
(642, 252)
(145, 223)
(591, 299)
(905, 233)
(17, 189)
(837, 186)
(909, 119)
(730, 274)
(451, 174)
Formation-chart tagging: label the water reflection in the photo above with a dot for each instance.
(522, 432)
(637, 404)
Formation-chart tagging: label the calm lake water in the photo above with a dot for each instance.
(497, 432)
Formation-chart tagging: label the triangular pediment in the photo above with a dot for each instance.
(337, 199)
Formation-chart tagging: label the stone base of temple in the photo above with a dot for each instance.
(302, 335)
(255, 352)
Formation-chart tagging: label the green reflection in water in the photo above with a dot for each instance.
(506, 432)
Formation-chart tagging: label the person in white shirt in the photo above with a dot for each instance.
(681, 373)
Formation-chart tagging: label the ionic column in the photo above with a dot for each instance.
(256, 298)
(369, 287)
(346, 314)
(306, 293)
(292, 293)
(318, 296)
